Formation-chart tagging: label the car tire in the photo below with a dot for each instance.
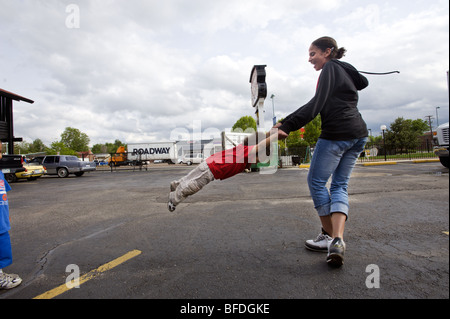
(444, 161)
(62, 172)
(11, 178)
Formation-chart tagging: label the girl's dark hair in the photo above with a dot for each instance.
(324, 43)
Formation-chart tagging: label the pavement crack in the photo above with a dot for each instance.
(43, 261)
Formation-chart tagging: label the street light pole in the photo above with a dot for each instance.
(437, 116)
(273, 110)
(383, 128)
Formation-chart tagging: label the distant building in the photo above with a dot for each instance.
(426, 141)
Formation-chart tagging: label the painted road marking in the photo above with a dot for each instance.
(92, 274)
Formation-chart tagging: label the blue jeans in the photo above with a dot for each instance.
(334, 159)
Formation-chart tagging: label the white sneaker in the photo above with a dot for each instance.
(170, 205)
(319, 244)
(8, 281)
(336, 252)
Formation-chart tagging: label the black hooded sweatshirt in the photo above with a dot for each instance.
(336, 100)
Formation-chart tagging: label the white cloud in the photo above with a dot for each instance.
(137, 70)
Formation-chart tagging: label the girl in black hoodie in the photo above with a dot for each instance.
(344, 134)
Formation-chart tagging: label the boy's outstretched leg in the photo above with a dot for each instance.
(174, 185)
(189, 185)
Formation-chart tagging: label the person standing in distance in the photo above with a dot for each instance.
(343, 137)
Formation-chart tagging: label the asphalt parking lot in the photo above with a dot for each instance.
(242, 238)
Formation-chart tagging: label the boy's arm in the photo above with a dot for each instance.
(271, 136)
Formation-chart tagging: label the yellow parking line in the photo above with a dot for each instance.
(445, 232)
(63, 288)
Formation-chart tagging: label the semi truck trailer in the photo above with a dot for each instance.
(141, 153)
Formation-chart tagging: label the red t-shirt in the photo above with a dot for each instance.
(229, 162)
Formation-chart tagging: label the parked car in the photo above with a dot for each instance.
(10, 165)
(31, 173)
(63, 165)
(190, 159)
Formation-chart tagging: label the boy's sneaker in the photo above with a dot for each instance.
(8, 281)
(170, 205)
(336, 252)
(319, 244)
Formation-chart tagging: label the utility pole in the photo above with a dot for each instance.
(431, 130)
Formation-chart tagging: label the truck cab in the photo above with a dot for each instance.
(10, 165)
(441, 144)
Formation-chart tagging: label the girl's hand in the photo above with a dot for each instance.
(277, 125)
(282, 135)
(275, 130)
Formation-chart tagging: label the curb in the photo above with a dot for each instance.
(431, 160)
(426, 160)
(378, 163)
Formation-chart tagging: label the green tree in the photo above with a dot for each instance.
(404, 134)
(310, 136)
(98, 148)
(21, 148)
(313, 130)
(107, 147)
(60, 148)
(75, 140)
(245, 123)
(37, 146)
(26, 148)
(295, 140)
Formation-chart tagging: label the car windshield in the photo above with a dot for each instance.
(37, 160)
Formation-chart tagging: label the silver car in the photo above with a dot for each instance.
(63, 165)
(190, 159)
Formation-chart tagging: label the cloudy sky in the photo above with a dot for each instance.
(141, 71)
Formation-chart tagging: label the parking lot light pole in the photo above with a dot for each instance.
(437, 116)
(383, 128)
(273, 110)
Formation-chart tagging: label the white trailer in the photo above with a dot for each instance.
(232, 139)
(141, 152)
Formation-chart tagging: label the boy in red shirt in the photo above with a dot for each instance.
(221, 165)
